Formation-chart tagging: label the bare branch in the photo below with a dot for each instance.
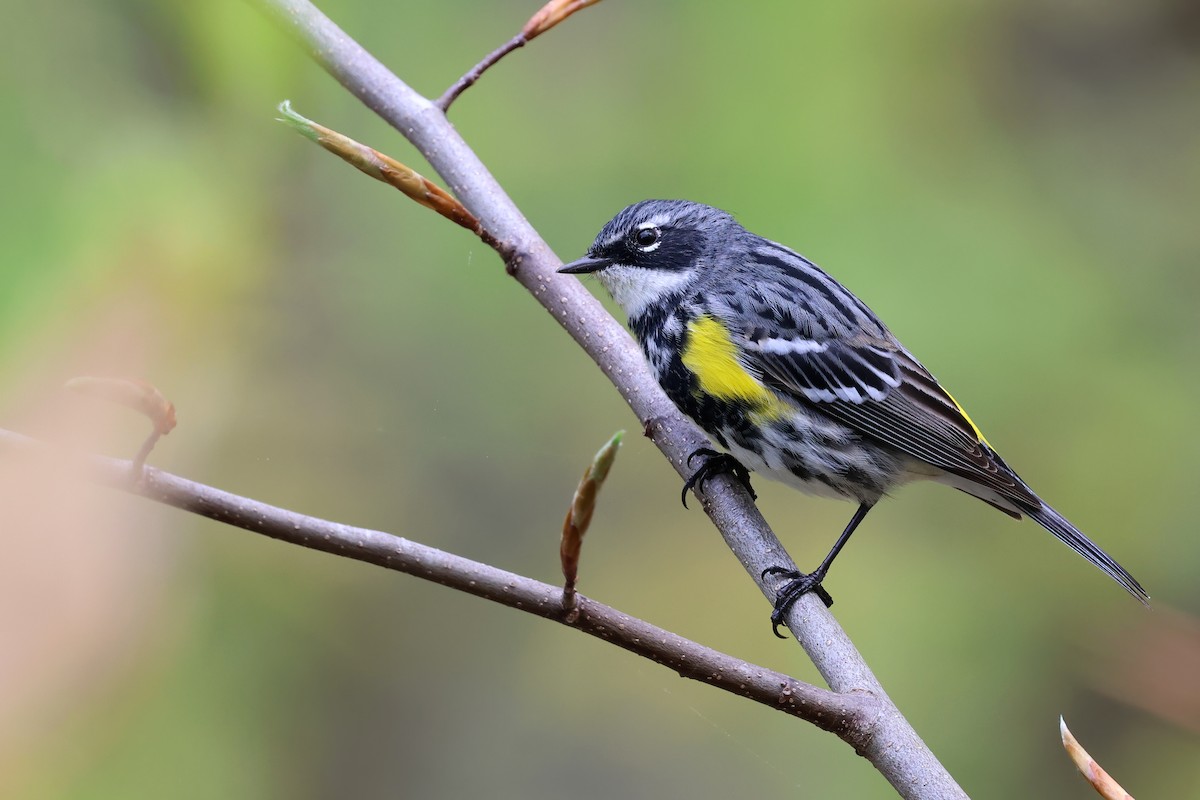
(476, 72)
(142, 397)
(849, 716)
(894, 748)
(546, 18)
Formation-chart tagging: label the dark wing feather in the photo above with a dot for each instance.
(881, 391)
(825, 370)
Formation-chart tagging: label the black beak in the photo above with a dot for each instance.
(586, 264)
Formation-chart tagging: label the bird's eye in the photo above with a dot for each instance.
(647, 237)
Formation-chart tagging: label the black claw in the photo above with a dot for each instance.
(715, 464)
(798, 585)
(776, 621)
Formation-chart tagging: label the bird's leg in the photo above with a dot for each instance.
(716, 464)
(800, 584)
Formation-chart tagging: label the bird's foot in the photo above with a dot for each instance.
(798, 585)
(715, 464)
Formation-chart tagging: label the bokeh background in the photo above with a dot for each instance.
(1013, 186)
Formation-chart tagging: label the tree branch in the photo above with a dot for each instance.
(895, 749)
(849, 716)
(476, 72)
(546, 18)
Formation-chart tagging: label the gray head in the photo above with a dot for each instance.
(653, 249)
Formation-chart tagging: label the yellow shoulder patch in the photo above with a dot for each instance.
(711, 354)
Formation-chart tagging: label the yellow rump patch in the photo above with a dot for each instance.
(971, 422)
(711, 354)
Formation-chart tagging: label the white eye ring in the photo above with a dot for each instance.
(651, 242)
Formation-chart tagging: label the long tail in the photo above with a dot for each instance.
(1057, 524)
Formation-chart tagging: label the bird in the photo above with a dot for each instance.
(795, 378)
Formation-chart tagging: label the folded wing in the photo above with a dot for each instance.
(877, 388)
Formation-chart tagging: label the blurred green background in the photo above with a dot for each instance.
(1013, 186)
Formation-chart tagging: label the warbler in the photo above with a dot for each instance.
(794, 377)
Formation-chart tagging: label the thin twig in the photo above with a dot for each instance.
(546, 18)
(895, 749)
(141, 396)
(138, 465)
(473, 74)
(849, 716)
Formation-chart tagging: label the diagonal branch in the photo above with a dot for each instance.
(849, 716)
(476, 72)
(546, 18)
(895, 748)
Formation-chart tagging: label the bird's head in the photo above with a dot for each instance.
(653, 250)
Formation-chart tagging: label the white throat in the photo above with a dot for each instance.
(636, 289)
